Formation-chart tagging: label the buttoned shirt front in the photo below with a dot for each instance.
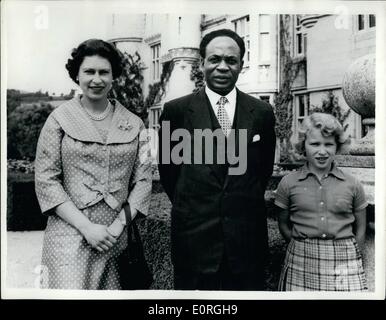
(321, 209)
(230, 106)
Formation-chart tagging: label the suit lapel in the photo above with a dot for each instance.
(199, 118)
(243, 120)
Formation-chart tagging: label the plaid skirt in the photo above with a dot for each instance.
(323, 265)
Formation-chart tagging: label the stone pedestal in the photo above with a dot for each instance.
(361, 167)
(359, 93)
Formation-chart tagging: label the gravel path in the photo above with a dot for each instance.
(24, 251)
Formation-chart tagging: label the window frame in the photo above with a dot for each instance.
(265, 32)
(155, 113)
(263, 96)
(299, 118)
(155, 65)
(245, 36)
(361, 22)
(299, 38)
(367, 22)
(375, 21)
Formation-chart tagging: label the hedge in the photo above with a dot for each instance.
(23, 212)
(24, 126)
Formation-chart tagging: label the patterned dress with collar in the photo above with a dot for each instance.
(74, 163)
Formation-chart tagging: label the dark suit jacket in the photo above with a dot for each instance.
(211, 215)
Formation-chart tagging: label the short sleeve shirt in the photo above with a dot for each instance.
(321, 209)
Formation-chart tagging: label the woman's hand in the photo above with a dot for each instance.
(98, 237)
(115, 229)
(95, 234)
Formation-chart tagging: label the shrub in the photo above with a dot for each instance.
(158, 89)
(13, 100)
(21, 166)
(197, 76)
(330, 104)
(24, 126)
(23, 212)
(127, 89)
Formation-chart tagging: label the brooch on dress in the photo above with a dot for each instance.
(124, 125)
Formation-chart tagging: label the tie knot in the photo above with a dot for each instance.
(222, 101)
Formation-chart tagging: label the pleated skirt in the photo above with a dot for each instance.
(323, 265)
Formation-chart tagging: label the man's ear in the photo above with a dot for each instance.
(201, 65)
(241, 64)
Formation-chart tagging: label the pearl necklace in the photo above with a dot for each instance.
(99, 116)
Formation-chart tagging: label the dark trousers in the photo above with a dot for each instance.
(223, 279)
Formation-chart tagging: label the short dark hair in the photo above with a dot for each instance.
(95, 47)
(222, 33)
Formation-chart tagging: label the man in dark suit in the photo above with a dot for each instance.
(219, 226)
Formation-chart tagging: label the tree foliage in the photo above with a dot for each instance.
(330, 104)
(158, 89)
(24, 126)
(197, 76)
(13, 100)
(283, 102)
(127, 89)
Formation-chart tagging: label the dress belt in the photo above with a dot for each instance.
(100, 192)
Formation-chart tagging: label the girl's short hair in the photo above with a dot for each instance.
(328, 126)
(95, 47)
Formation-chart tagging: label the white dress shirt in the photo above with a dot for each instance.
(230, 106)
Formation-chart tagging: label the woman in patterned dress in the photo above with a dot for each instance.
(91, 166)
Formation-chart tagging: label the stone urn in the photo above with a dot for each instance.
(359, 93)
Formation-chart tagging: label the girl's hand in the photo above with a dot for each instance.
(361, 243)
(98, 237)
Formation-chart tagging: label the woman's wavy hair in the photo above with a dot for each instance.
(95, 47)
(328, 126)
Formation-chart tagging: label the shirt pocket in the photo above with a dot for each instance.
(341, 204)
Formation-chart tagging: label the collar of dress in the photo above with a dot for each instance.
(335, 171)
(125, 126)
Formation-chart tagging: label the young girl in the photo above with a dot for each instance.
(322, 215)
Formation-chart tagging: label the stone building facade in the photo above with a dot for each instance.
(324, 44)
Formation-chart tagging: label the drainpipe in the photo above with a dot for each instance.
(278, 52)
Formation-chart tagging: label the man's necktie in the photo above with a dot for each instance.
(222, 116)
